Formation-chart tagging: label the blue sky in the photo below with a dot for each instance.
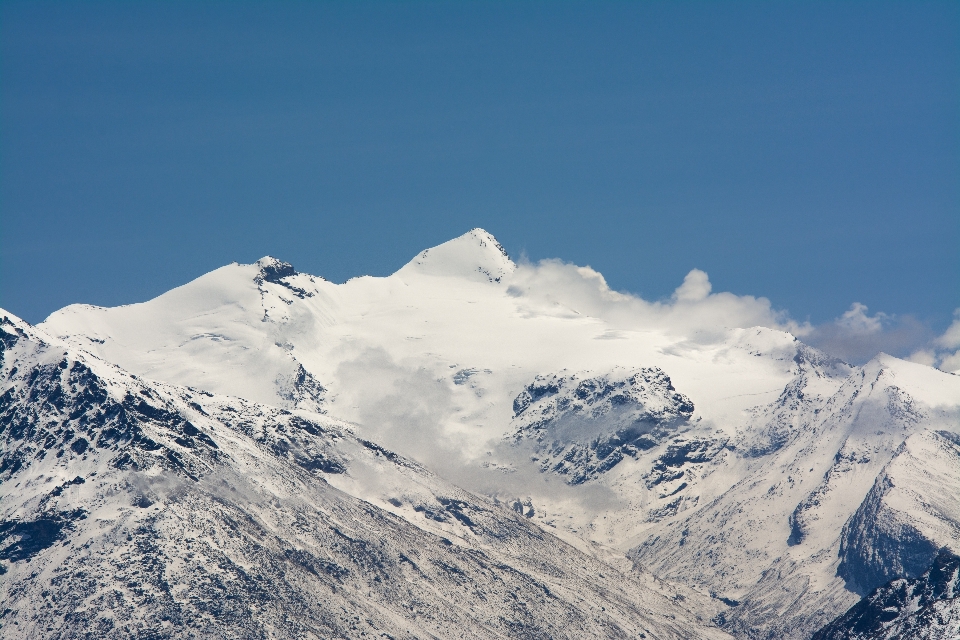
(806, 152)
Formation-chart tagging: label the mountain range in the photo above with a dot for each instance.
(469, 447)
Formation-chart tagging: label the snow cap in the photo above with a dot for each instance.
(476, 255)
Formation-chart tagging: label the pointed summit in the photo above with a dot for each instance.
(476, 255)
(272, 270)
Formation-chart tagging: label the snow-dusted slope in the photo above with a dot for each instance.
(135, 508)
(695, 432)
(773, 541)
(911, 512)
(922, 608)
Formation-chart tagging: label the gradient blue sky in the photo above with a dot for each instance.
(806, 152)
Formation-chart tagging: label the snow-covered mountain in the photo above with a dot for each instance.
(133, 508)
(789, 540)
(696, 436)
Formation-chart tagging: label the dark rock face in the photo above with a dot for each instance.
(276, 272)
(668, 466)
(582, 425)
(871, 554)
(926, 606)
(23, 539)
(273, 270)
(62, 408)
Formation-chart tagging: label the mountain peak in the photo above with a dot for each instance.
(476, 255)
(272, 270)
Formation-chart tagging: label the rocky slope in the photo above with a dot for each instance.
(580, 425)
(924, 608)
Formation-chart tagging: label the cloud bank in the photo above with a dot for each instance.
(856, 336)
(553, 284)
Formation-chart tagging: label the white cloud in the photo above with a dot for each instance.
(856, 320)
(405, 408)
(856, 336)
(552, 286)
(696, 287)
(400, 406)
(949, 354)
(556, 287)
(950, 363)
(923, 356)
(951, 337)
(943, 351)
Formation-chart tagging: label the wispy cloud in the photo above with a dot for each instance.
(856, 336)
(943, 351)
(406, 409)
